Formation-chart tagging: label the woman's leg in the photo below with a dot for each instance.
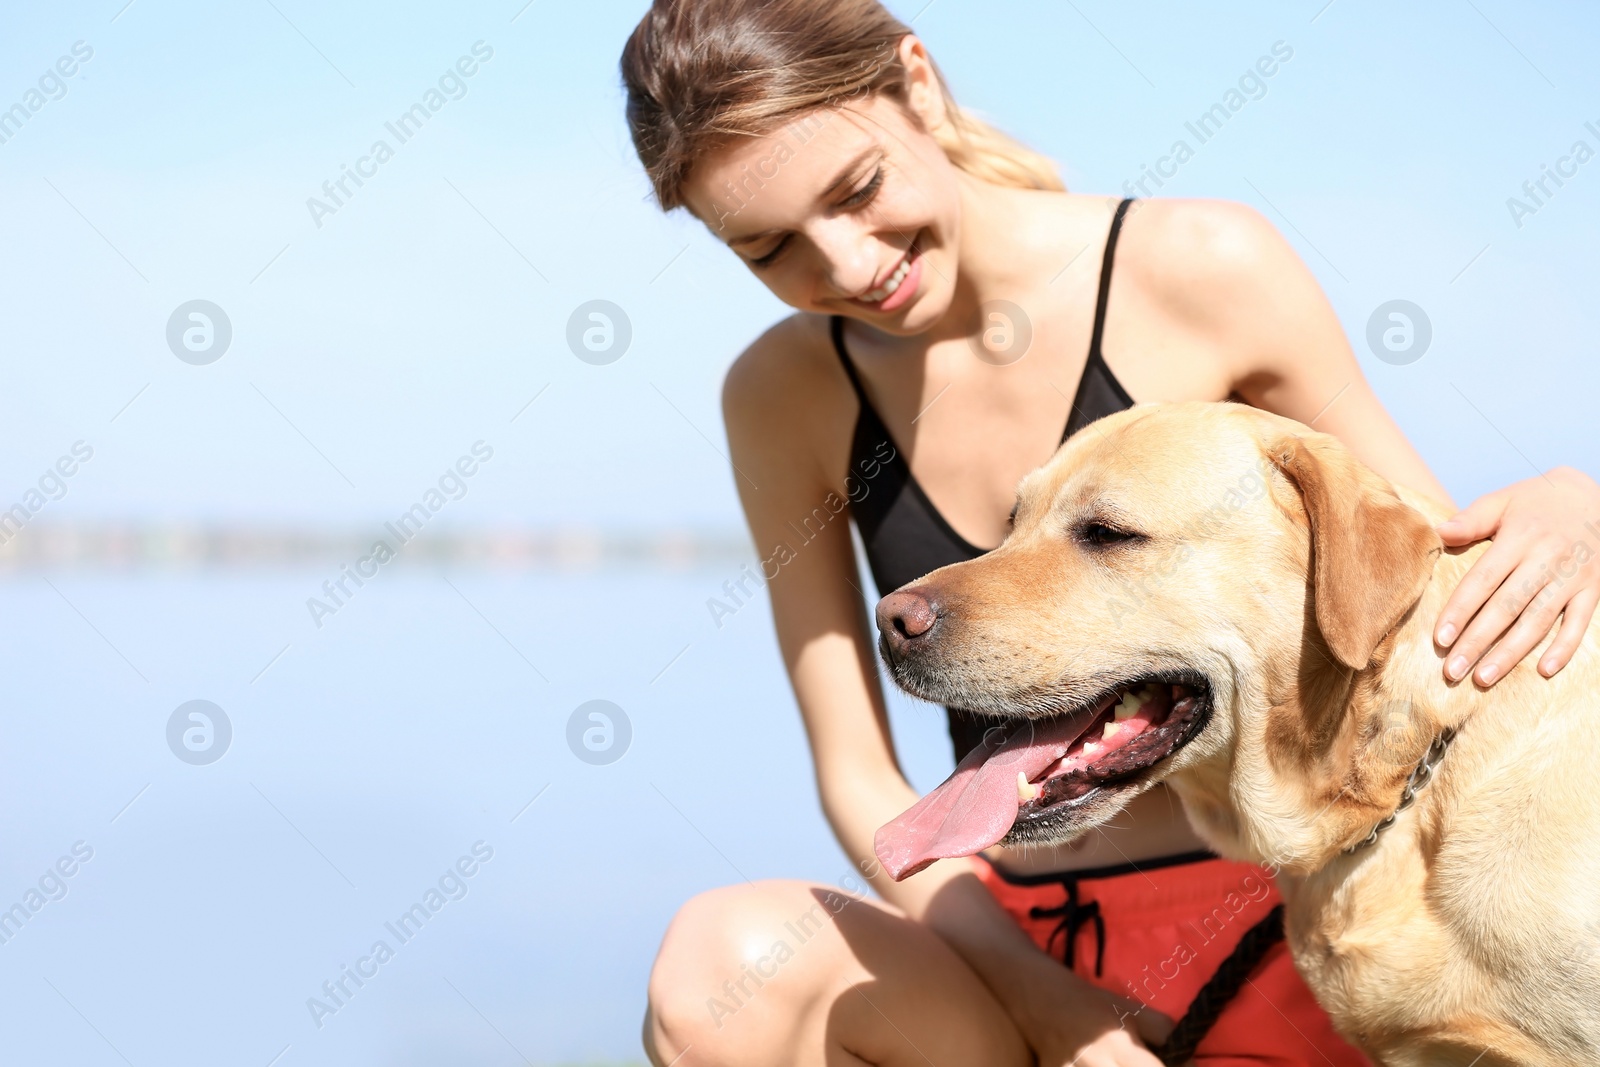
(794, 974)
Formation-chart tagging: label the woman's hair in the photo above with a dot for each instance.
(701, 73)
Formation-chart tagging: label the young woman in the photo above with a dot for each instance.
(817, 139)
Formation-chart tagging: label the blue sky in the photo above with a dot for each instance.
(426, 312)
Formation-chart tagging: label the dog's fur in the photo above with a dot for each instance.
(1304, 588)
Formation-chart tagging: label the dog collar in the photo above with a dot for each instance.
(1419, 777)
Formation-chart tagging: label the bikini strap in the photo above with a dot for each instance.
(836, 328)
(1105, 280)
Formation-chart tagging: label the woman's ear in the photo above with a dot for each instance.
(1372, 555)
(924, 91)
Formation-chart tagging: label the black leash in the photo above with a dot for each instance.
(1223, 986)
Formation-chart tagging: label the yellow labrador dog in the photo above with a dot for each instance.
(1224, 600)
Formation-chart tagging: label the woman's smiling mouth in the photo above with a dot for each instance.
(899, 287)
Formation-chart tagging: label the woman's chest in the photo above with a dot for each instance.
(971, 426)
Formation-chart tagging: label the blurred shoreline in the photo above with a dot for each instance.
(169, 546)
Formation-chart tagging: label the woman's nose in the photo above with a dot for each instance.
(849, 257)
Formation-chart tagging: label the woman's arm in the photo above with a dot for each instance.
(776, 410)
(1283, 349)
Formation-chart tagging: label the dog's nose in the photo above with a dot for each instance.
(903, 617)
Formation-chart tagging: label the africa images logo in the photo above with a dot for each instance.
(199, 732)
(199, 332)
(599, 732)
(1399, 332)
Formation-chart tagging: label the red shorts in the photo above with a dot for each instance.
(1157, 931)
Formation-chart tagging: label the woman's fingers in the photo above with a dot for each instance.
(1543, 532)
(1478, 521)
(1574, 622)
(1480, 583)
(1530, 627)
(1498, 614)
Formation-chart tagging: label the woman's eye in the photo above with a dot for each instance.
(855, 199)
(767, 260)
(1100, 535)
(866, 192)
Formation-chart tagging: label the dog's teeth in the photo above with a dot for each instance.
(1026, 790)
(1110, 731)
(1090, 746)
(1127, 707)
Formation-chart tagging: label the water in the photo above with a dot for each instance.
(420, 719)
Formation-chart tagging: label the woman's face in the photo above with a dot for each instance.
(853, 211)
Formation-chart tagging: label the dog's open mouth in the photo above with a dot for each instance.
(1045, 768)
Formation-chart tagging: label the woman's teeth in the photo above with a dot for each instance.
(883, 291)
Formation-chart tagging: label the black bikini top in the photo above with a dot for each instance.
(904, 534)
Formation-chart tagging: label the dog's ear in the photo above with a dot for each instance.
(1372, 554)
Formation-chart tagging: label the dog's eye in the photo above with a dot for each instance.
(1099, 535)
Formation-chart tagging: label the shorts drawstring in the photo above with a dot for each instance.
(1073, 915)
(1152, 906)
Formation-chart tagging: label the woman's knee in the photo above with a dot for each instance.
(726, 956)
(786, 972)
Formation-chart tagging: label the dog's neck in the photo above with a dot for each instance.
(1324, 782)
(1332, 750)
(1398, 705)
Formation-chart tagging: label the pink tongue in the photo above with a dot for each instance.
(977, 804)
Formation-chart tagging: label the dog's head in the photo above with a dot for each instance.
(1192, 592)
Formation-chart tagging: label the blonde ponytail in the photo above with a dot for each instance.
(984, 152)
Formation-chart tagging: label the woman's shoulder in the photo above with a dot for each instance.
(1205, 294)
(1217, 270)
(1190, 250)
(1218, 273)
(784, 352)
(790, 364)
(787, 387)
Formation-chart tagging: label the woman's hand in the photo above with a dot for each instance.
(1544, 564)
(1070, 1023)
